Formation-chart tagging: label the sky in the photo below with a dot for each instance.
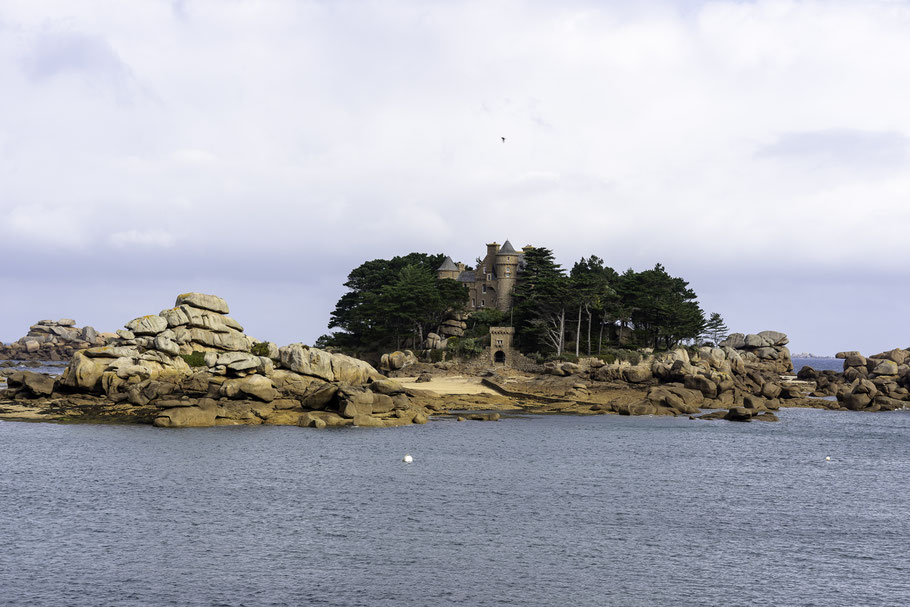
(261, 150)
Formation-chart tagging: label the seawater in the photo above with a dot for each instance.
(819, 364)
(550, 510)
(50, 367)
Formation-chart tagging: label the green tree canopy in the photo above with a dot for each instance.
(716, 329)
(591, 284)
(393, 300)
(662, 308)
(539, 301)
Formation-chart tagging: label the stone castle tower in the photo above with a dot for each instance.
(490, 284)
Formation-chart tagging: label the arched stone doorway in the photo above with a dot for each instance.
(499, 357)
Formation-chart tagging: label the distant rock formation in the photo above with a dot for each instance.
(192, 365)
(878, 382)
(53, 340)
(743, 374)
(767, 348)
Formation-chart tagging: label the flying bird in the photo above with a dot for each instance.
(503, 139)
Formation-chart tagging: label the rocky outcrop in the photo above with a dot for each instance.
(453, 326)
(745, 372)
(398, 360)
(880, 382)
(53, 340)
(435, 341)
(192, 365)
(767, 349)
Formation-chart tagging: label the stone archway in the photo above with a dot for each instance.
(499, 357)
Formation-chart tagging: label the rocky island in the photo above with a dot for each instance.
(192, 365)
(53, 340)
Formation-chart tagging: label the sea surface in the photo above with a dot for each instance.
(547, 510)
(819, 364)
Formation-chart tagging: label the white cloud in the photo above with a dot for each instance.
(143, 239)
(718, 135)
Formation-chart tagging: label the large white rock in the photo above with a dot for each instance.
(84, 372)
(231, 340)
(774, 338)
(756, 341)
(236, 361)
(147, 325)
(167, 345)
(204, 301)
(175, 317)
(307, 361)
(186, 417)
(324, 365)
(186, 315)
(257, 386)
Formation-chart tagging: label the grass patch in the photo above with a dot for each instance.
(196, 359)
(260, 349)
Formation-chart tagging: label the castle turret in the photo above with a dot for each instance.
(506, 274)
(448, 269)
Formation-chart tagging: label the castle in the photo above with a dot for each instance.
(490, 284)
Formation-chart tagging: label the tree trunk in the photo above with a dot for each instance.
(589, 329)
(578, 332)
(562, 331)
(600, 339)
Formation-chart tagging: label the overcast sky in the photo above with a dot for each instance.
(261, 150)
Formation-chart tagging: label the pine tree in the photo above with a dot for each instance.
(715, 329)
(539, 302)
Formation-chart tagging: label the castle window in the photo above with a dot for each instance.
(508, 272)
(485, 269)
(473, 303)
(483, 288)
(482, 303)
(498, 342)
(489, 277)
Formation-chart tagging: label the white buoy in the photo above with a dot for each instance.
(828, 458)
(407, 458)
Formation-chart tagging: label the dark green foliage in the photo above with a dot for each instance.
(196, 359)
(437, 356)
(715, 328)
(465, 347)
(392, 301)
(260, 349)
(594, 305)
(479, 322)
(662, 308)
(593, 293)
(539, 302)
(325, 341)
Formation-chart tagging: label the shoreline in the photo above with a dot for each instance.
(460, 397)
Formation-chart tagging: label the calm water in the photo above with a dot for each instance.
(819, 364)
(534, 511)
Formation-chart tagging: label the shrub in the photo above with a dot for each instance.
(196, 359)
(611, 355)
(465, 347)
(260, 349)
(437, 356)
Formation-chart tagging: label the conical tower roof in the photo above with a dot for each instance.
(507, 249)
(447, 265)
